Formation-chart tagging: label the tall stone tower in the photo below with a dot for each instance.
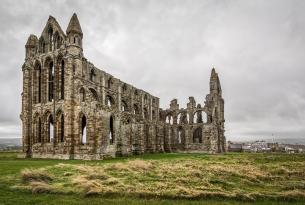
(216, 103)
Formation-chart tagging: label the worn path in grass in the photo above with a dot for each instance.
(155, 179)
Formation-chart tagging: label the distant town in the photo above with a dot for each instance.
(15, 144)
(265, 146)
(10, 144)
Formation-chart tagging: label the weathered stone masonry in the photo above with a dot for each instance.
(73, 110)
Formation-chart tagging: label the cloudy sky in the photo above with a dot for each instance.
(168, 48)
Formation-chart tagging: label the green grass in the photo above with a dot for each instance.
(155, 179)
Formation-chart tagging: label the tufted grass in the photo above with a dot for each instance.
(155, 179)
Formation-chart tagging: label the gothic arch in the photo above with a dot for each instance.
(197, 135)
(49, 127)
(82, 94)
(83, 133)
(124, 106)
(109, 101)
(92, 74)
(200, 116)
(181, 136)
(169, 119)
(94, 94)
(109, 82)
(146, 114)
(60, 126)
(50, 38)
(136, 109)
(49, 68)
(37, 81)
(60, 77)
(111, 130)
(37, 129)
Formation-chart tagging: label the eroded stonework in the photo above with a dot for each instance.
(73, 110)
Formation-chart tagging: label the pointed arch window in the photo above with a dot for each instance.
(169, 119)
(111, 131)
(83, 130)
(124, 106)
(92, 75)
(109, 101)
(82, 95)
(109, 83)
(50, 129)
(37, 84)
(39, 137)
(62, 80)
(136, 110)
(51, 82)
(50, 33)
(197, 135)
(60, 127)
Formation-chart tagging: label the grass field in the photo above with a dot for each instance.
(155, 179)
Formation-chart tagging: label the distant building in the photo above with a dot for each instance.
(234, 147)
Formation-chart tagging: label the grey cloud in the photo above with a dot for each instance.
(168, 49)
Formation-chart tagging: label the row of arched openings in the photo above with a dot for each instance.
(197, 135)
(48, 131)
(84, 134)
(54, 41)
(53, 79)
(184, 118)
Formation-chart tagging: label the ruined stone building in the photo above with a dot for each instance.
(73, 110)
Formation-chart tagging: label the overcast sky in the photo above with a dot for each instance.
(168, 49)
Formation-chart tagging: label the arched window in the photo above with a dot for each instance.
(37, 129)
(39, 138)
(109, 101)
(169, 119)
(58, 42)
(109, 83)
(83, 130)
(62, 83)
(94, 94)
(42, 45)
(179, 136)
(179, 118)
(197, 135)
(82, 95)
(92, 75)
(50, 33)
(62, 128)
(145, 99)
(200, 117)
(124, 88)
(146, 115)
(50, 129)
(124, 106)
(37, 84)
(111, 131)
(136, 110)
(153, 114)
(51, 81)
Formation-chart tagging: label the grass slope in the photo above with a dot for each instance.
(155, 179)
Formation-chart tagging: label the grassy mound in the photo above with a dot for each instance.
(242, 177)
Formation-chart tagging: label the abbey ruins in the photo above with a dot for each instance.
(73, 110)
